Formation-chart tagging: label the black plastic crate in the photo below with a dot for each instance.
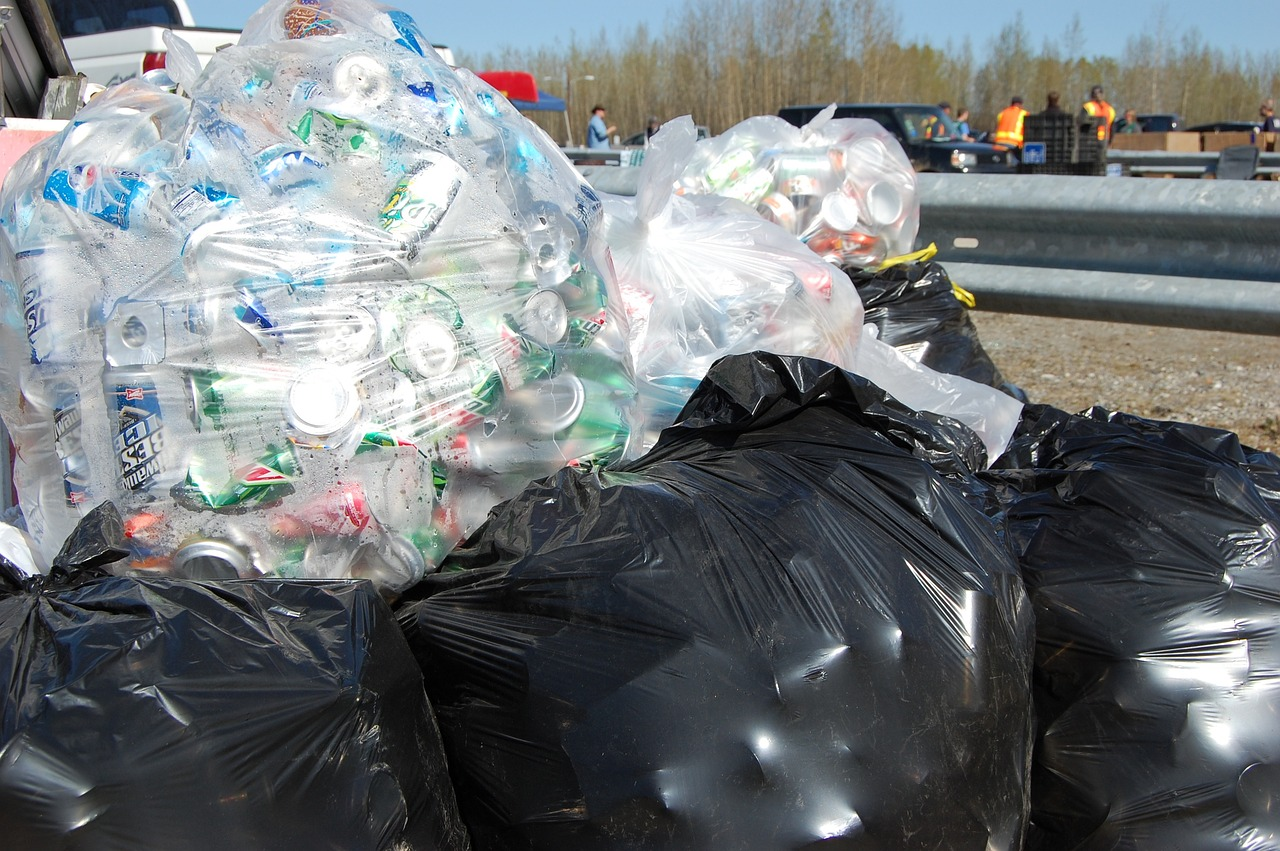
(1067, 139)
(1091, 150)
(1057, 132)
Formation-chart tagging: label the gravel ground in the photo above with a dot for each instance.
(1228, 381)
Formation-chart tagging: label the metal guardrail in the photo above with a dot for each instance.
(1190, 164)
(1179, 253)
(1176, 253)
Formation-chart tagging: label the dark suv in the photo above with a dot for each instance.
(926, 134)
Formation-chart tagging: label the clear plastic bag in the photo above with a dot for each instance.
(844, 186)
(703, 277)
(313, 321)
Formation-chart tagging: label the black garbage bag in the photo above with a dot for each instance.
(779, 630)
(1151, 551)
(154, 713)
(915, 309)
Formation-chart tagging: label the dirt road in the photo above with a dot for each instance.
(1229, 381)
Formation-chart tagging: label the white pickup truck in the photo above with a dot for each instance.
(110, 41)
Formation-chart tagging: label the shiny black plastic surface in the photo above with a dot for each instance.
(167, 714)
(1152, 554)
(914, 308)
(780, 629)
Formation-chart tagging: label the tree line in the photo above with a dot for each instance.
(722, 61)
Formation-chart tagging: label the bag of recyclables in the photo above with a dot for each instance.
(843, 186)
(148, 712)
(703, 277)
(789, 626)
(1151, 553)
(315, 319)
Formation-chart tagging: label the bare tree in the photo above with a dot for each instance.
(725, 60)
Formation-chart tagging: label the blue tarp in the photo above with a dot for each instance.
(545, 102)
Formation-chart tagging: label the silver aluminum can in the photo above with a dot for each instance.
(208, 559)
(321, 407)
(548, 406)
(430, 348)
(545, 319)
(134, 334)
(421, 199)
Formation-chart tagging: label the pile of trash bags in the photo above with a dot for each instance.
(383, 485)
(318, 308)
(781, 628)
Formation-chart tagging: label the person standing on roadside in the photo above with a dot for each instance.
(1267, 114)
(1009, 123)
(1268, 125)
(1097, 107)
(597, 133)
(1130, 123)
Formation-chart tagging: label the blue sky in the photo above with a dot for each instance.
(479, 27)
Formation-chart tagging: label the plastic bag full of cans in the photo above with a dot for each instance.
(314, 319)
(844, 186)
(703, 277)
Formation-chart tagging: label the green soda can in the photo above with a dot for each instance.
(267, 479)
(732, 165)
(603, 431)
(335, 135)
(567, 315)
(580, 416)
(376, 438)
(520, 359)
(426, 339)
(207, 398)
(421, 199)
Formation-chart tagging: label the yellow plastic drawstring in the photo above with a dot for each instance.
(962, 295)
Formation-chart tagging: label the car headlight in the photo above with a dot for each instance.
(962, 160)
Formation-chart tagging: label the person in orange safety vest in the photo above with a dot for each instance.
(1096, 107)
(1009, 123)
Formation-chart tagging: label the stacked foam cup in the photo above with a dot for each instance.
(843, 186)
(309, 312)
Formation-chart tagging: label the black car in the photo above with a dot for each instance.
(1159, 122)
(1227, 127)
(925, 133)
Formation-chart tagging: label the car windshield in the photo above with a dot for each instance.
(84, 17)
(928, 125)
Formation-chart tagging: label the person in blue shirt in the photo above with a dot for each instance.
(1267, 122)
(597, 133)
